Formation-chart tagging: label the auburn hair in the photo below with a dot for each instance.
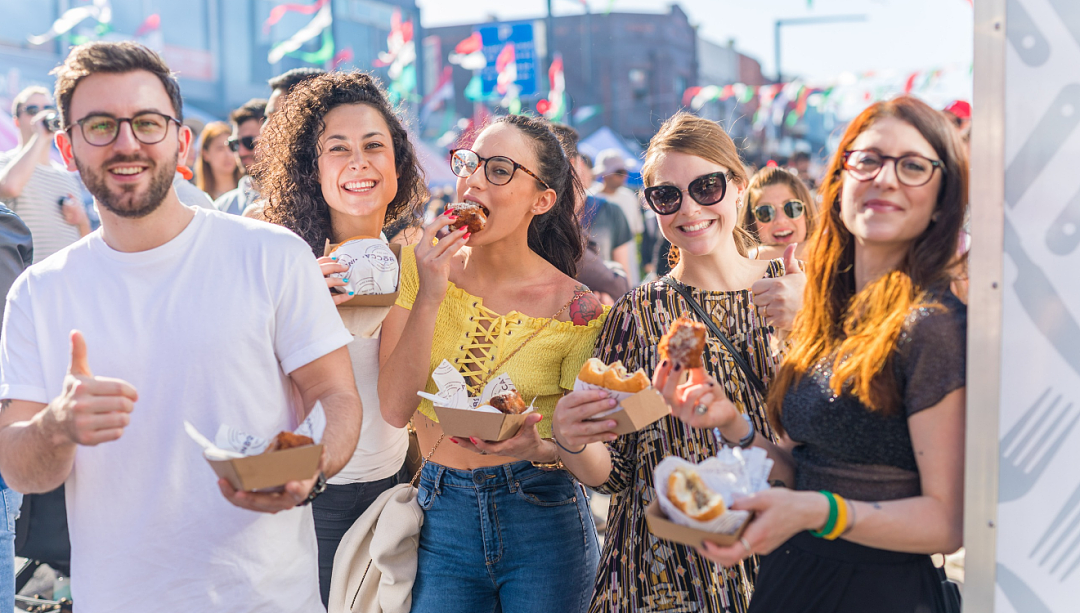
(692, 135)
(858, 331)
(775, 175)
(204, 175)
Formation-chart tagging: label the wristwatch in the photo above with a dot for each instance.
(320, 487)
(556, 465)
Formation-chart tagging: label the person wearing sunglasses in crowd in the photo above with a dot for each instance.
(42, 193)
(870, 401)
(505, 528)
(365, 175)
(696, 184)
(780, 211)
(246, 123)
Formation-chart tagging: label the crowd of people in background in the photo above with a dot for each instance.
(195, 284)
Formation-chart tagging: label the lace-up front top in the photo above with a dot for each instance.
(475, 339)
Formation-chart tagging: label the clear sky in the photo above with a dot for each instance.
(901, 35)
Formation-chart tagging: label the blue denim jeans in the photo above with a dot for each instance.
(9, 510)
(508, 538)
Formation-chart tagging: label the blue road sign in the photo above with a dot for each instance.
(495, 37)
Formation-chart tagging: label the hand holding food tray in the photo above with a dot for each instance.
(639, 404)
(374, 270)
(496, 415)
(692, 500)
(253, 463)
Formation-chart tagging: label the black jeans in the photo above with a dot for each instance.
(336, 510)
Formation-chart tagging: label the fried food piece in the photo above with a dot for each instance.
(469, 214)
(613, 377)
(288, 440)
(683, 343)
(692, 496)
(510, 403)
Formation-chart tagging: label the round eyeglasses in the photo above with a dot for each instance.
(149, 128)
(765, 213)
(705, 190)
(498, 169)
(911, 170)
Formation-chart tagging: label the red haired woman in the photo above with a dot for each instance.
(869, 403)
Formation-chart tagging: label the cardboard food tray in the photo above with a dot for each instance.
(638, 411)
(664, 528)
(269, 470)
(370, 300)
(483, 425)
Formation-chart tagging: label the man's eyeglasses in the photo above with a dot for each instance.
(765, 213)
(247, 141)
(705, 190)
(33, 109)
(498, 169)
(149, 128)
(911, 170)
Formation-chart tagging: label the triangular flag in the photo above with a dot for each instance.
(322, 20)
(151, 23)
(323, 55)
(101, 11)
(280, 10)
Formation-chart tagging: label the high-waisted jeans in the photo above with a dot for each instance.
(9, 510)
(508, 538)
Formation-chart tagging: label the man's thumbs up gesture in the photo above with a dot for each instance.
(91, 409)
(781, 297)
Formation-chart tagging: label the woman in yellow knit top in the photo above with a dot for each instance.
(505, 527)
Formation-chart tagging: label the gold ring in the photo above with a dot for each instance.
(434, 241)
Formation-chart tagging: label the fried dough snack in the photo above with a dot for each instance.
(288, 440)
(683, 343)
(469, 214)
(613, 377)
(510, 403)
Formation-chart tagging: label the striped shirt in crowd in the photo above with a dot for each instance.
(39, 206)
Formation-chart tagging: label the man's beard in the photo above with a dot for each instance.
(126, 203)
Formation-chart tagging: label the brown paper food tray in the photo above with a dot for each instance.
(485, 426)
(663, 528)
(638, 411)
(370, 300)
(267, 470)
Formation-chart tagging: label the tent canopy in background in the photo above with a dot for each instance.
(605, 138)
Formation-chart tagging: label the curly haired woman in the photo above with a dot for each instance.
(336, 163)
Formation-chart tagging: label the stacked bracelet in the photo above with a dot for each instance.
(830, 524)
(838, 522)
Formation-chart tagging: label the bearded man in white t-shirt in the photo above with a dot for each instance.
(193, 315)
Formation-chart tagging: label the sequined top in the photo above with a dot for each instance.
(474, 338)
(639, 572)
(842, 446)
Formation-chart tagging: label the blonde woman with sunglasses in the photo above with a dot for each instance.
(780, 211)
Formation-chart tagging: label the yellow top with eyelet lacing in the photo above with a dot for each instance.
(475, 339)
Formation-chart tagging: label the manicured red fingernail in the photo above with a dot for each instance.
(454, 441)
(474, 441)
(466, 235)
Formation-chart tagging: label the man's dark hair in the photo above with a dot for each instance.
(799, 156)
(114, 58)
(252, 109)
(288, 79)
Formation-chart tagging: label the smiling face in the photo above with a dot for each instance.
(695, 228)
(510, 207)
(883, 210)
(127, 177)
(782, 230)
(356, 163)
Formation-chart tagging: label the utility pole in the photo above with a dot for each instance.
(802, 21)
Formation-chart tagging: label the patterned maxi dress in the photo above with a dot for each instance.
(638, 572)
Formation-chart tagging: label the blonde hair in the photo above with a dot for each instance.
(692, 135)
(774, 175)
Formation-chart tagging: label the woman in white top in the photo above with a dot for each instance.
(336, 164)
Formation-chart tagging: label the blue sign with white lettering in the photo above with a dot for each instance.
(496, 37)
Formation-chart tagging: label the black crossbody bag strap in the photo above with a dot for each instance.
(756, 381)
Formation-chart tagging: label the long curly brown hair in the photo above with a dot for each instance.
(858, 331)
(287, 170)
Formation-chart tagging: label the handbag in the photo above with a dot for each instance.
(949, 590)
(375, 564)
(736, 355)
(41, 531)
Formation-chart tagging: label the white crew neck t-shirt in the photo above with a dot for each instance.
(205, 327)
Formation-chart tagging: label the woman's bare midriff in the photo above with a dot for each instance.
(448, 454)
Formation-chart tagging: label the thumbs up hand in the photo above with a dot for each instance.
(780, 298)
(91, 410)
